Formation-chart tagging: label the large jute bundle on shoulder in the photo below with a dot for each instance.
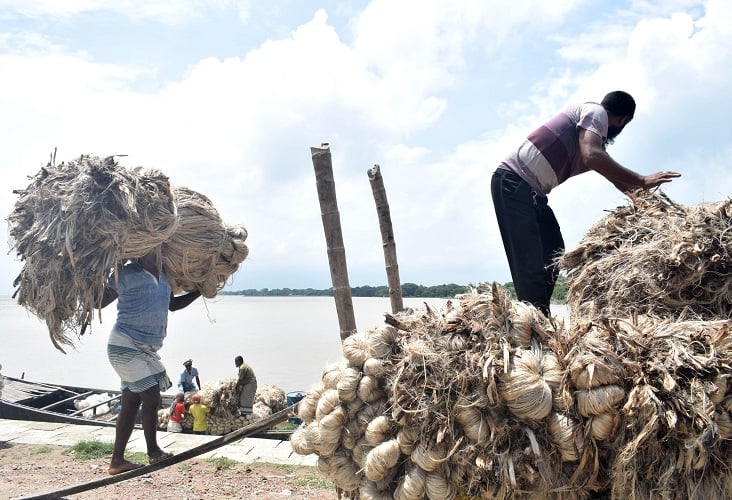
(203, 251)
(78, 221)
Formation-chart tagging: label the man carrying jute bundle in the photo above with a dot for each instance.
(246, 385)
(144, 299)
(571, 143)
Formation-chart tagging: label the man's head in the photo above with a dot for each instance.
(238, 361)
(620, 107)
(195, 399)
(179, 397)
(188, 363)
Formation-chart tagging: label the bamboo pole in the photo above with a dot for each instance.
(387, 238)
(325, 184)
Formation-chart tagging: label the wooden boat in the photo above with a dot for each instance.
(44, 402)
(36, 401)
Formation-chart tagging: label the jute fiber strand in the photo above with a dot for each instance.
(73, 224)
(655, 257)
(77, 222)
(530, 407)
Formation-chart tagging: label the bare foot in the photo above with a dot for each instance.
(123, 467)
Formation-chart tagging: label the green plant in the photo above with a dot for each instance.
(89, 450)
(44, 449)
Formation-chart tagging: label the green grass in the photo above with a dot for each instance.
(313, 481)
(44, 449)
(286, 426)
(222, 463)
(89, 450)
(137, 457)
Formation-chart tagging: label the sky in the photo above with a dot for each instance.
(227, 97)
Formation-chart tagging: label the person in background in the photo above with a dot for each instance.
(189, 374)
(571, 143)
(200, 412)
(246, 385)
(177, 414)
(145, 298)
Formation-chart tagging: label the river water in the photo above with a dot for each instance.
(287, 340)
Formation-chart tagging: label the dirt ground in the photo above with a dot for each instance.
(27, 470)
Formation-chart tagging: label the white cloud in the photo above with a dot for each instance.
(239, 128)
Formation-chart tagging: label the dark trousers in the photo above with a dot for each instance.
(531, 237)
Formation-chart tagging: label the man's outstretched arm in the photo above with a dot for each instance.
(597, 159)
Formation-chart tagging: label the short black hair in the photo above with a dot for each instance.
(619, 103)
(238, 360)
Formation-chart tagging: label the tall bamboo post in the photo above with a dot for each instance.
(334, 238)
(387, 238)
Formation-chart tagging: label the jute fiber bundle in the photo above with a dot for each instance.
(654, 257)
(73, 224)
(77, 222)
(271, 396)
(203, 252)
(528, 407)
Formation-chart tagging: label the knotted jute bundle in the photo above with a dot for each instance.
(490, 399)
(78, 221)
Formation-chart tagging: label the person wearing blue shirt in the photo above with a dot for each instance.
(144, 298)
(189, 374)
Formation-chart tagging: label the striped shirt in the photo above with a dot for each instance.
(550, 154)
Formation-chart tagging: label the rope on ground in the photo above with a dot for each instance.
(254, 428)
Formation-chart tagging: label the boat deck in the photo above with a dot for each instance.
(15, 390)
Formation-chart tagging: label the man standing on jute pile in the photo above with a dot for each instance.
(569, 144)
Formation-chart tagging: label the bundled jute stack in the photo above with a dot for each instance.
(490, 399)
(77, 222)
(656, 257)
(225, 416)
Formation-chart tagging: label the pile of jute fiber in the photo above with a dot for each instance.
(225, 415)
(77, 222)
(657, 257)
(490, 399)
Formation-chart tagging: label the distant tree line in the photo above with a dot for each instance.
(410, 290)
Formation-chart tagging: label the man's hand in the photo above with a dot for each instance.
(653, 180)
